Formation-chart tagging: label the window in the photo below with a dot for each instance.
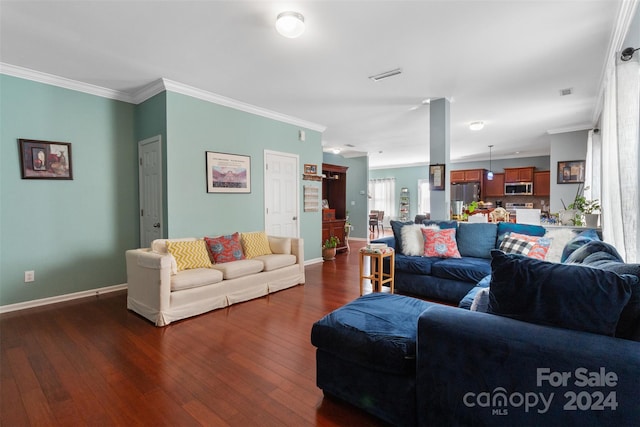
(382, 196)
(424, 197)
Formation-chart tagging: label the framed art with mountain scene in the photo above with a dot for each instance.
(228, 173)
(45, 159)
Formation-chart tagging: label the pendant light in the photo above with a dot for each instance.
(490, 173)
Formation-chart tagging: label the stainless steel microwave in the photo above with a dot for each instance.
(518, 188)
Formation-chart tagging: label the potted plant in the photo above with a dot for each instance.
(585, 210)
(329, 248)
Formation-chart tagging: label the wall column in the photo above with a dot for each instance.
(439, 152)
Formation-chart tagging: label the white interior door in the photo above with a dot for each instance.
(281, 194)
(150, 188)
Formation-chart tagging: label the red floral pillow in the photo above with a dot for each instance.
(440, 243)
(540, 247)
(224, 248)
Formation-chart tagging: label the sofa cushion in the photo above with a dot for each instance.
(540, 245)
(508, 227)
(565, 296)
(276, 261)
(578, 241)
(396, 227)
(255, 244)
(280, 245)
(413, 264)
(195, 278)
(466, 269)
(235, 269)
(468, 299)
(377, 330)
(440, 243)
(189, 254)
(412, 240)
(225, 248)
(476, 239)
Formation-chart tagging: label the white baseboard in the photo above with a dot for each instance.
(61, 298)
(313, 261)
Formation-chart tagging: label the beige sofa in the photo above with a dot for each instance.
(158, 292)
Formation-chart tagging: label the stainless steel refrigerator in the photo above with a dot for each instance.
(466, 192)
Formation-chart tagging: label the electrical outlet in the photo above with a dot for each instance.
(29, 276)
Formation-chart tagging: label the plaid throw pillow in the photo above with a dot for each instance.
(513, 245)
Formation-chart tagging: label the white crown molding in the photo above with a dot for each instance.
(623, 22)
(60, 298)
(151, 90)
(584, 126)
(238, 105)
(63, 82)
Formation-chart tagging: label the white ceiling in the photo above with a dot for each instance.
(502, 62)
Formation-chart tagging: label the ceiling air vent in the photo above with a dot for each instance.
(565, 92)
(350, 145)
(386, 74)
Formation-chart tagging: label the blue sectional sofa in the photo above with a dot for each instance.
(450, 279)
(559, 345)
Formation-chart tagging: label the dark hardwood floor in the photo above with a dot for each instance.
(93, 362)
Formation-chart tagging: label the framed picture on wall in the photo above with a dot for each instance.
(310, 169)
(436, 177)
(571, 172)
(228, 173)
(45, 159)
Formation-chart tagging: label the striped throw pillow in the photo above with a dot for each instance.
(255, 244)
(189, 255)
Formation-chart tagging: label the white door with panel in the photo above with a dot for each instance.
(150, 188)
(281, 194)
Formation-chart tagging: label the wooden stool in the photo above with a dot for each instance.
(377, 275)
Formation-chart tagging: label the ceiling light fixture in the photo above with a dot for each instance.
(476, 125)
(490, 173)
(336, 151)
(290, 24)
(627, 54)
(386, 74)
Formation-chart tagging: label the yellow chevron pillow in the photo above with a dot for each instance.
(255, 244)
(189, 255)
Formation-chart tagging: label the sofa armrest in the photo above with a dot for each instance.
(482, 369)
(148, 283)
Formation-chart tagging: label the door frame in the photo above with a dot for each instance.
(296, 157)
(157, 139)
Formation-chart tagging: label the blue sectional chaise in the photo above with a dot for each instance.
(450, 279)
(559, 345)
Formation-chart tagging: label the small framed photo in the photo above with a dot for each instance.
(436, 177)
(228, 173)
(45, 159)
(310, 169)
(571, 172)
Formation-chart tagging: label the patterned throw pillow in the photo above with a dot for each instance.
(224, 248)
(255, 244)
(189, 255)
(440, 243)
(540, 245)
(513, 245)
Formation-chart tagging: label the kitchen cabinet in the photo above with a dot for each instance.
(468, 175)
(494, 188)
(541, 183)
(518, 174)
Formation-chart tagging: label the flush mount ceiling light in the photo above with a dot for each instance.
(476, 125)
(386, 74)
(336, 151)
(290, 24)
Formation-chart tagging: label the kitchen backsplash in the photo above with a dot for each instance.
(536, 200)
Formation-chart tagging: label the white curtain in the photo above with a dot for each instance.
(620, 158)
(382, 196)
(424, 196)
(593, 170)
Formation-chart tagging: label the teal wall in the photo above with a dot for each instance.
(195, 126)
(73, 233)
(405, 177)
(357, 182)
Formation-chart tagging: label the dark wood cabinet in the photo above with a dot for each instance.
(518, 174)
(495, 187)
(469, 175)
(542, 183)
(334, 190)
